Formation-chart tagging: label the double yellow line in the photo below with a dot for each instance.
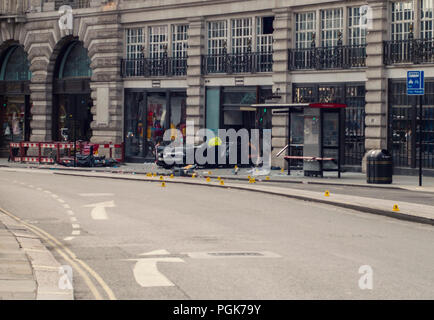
(70, 258)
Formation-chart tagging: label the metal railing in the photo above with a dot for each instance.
(408, 51)
(248, 62)
(153, 67)
(74, 4)
(336, 57)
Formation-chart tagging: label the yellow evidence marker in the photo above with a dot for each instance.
(163, 184)
(395, 208)
(327, 193)
(171, 176)
(161, 178)
(208, 179)
(222, 183)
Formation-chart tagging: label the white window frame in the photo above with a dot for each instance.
(236, 35)
(332, 23)
(356, 33)
(426, 19)
(241, 35)
(264, 42)
(179, 43)
(217, 37)
(158, 41)
(305, 28)
(400, 20)
(135, 43)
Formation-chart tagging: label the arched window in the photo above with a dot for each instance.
(75, 62)
(15, 66)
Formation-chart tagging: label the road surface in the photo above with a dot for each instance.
(137, 240)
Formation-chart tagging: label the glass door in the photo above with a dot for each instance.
(330, 139)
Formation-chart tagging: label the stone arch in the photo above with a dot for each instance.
(102, 36)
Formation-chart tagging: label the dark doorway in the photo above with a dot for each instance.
(72, 100)
(73, 117)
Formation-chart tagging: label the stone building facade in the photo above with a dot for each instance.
(156, 64)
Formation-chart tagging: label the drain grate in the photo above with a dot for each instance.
(231, 254)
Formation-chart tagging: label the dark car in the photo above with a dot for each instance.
(179, 154)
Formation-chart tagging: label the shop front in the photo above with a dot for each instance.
(72, 101)
(148, 114)
(15, 101)
(231, 108)
(403, 136)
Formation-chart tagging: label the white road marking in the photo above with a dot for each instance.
(146, 272)
(73, 219)
(61, 200)
(55, 196)
(39, 189)
(47, 191)
(96, 194)
(76, 232)
(75, 226)
(31, 186)
(98, 212)
(66, 206)
(68, 238)
(70, 212)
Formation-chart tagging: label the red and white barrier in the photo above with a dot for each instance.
(21, 156)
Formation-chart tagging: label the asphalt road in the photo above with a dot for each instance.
(210, 243)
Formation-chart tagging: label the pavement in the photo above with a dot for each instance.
(28, 270)
(127, 237)
(356, 179)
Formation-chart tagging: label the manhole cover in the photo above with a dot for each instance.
(231, 254)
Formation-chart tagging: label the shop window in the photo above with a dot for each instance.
(16, 65)
(75, 62)
(239, 98)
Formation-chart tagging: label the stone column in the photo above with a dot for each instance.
(376, 84)
(281, 80)
(195, 81)
(103, 38)
(40, 45)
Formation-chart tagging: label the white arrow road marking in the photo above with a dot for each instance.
(146, 271)
(98, 212)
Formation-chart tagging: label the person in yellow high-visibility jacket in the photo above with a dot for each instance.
(215, 143)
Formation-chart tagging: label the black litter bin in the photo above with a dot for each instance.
(379, 168)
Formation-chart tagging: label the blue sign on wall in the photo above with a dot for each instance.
(415, 83)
